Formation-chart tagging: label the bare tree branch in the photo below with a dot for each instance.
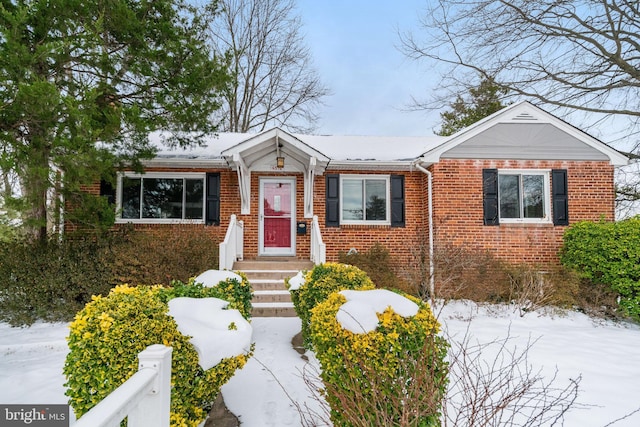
(568, 54)
(274, 83)
(579, 54)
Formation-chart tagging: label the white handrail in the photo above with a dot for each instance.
(144, 398)
(318, 248)
(232, 248)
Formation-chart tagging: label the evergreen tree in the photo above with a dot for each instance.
(83, 83)
(485, 99)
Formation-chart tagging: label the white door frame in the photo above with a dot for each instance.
(262, 251)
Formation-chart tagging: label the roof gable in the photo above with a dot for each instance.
(259, 152)
(523, 131)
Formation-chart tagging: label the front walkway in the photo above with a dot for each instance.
(256, 394)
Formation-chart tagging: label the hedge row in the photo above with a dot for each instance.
(53, 280)
(607, 253)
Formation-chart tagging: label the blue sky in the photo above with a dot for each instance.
(353, 45)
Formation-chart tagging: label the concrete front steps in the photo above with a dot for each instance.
(266, 275)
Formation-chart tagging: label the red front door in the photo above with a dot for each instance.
(277, 213)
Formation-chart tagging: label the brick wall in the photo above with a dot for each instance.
(400, 241)
(458, 208)
(458, 212)
(228, 192)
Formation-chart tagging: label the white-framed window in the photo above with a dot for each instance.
(524, 196)
(157, 197)
(365, 199)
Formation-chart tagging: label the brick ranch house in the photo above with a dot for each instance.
(509, 184)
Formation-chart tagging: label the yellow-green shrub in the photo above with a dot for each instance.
(394, 375)
(322, 281)
(238, 293)
(106, 337)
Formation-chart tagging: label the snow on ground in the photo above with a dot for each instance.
(31, 361)
(256, 394)
(606, 354)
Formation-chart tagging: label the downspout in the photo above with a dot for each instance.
(432, 278)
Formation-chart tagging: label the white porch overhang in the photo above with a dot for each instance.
(259, 154)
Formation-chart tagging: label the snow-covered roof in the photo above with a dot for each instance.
(335, 147)
(372, 148)
(501, 135)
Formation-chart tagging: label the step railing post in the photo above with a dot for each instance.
(154, 408)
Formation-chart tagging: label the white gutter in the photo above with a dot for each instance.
(174, 162)
(370, 164)
(432, 278)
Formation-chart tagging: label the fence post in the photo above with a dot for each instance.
(154, 408)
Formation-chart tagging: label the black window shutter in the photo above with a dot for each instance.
(560, 197)
(490, 196)
(108, 191)
(332, 202)
(213, 199)
(397, 201)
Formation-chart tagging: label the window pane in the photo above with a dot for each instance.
(352, 203)
(194, 198)
(533, 196)
(162, 198)
(131, 198)
(509, 191)
(376, 193)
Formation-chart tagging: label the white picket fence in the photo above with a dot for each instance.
(144, 398)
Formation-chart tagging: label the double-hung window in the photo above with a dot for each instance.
(155, 197)
(365, 199)
(523, 196)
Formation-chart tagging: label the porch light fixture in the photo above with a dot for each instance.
(279, 162)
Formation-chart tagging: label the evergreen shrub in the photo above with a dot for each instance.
(394, 375)
(52, 280)
(607, 254)
(162, 254)
(107, 335)
(320, 282)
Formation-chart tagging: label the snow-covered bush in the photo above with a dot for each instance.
(107, 335)
(381, 358)
(319, 283)
(234, 288)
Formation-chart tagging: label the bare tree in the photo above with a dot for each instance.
(568, 54)
(273, 79)
(628, 190)
(580, 54)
